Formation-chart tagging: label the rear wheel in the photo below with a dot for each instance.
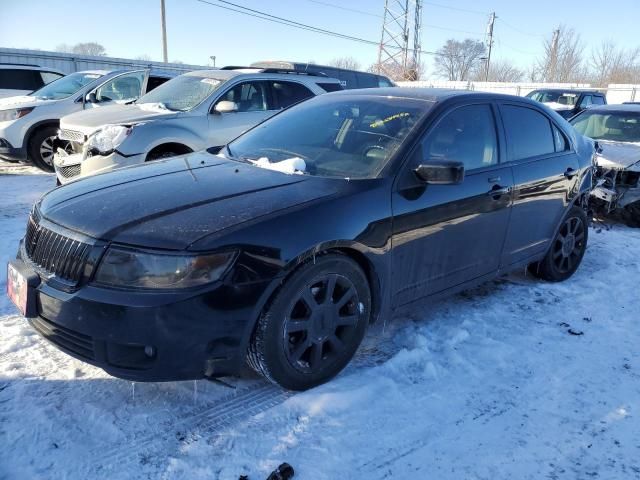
(40, 148)
(567, 248)
(314, 325)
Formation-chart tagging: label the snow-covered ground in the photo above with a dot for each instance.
(488, 384)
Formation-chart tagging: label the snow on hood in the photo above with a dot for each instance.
(21, 102)
(290, 165)
(619, 155)
(90, 120)
(558, 106)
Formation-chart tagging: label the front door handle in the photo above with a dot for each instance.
(497, 191)
(570, 173)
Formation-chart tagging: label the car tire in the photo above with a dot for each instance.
(40, 148)
(630, 214)
(566, 250)
(306, 336)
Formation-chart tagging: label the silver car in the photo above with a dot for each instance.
(29, 123)
(191, 112)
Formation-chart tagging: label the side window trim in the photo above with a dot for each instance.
(509, 147)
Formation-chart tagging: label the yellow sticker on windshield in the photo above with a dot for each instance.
(379, 123)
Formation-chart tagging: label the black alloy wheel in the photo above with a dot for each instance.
(314, 325)
(567, 248)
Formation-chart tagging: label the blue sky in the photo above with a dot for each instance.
(129, 28)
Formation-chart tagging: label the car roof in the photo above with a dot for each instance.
(20, 66)
(249, 71)
(566, 90)
(621, 108)
(430, 94)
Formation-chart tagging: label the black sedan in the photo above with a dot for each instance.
(284, 246)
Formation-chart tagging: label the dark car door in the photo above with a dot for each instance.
(445, 235)
(545, 167)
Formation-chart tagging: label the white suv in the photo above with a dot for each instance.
(18, 79)
(191, 112)
(29, 124)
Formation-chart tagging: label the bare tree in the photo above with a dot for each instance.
(457, 60)
(349, 63)
(611, 64)
(87, 48)
(397, 73)
(500, 71)
(562, 59)
(144, 57)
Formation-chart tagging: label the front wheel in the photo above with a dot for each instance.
(314, 325)
(40, 148)
(567, 248)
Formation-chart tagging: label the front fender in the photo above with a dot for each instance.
(145, 138)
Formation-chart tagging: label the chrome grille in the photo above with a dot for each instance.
(56, 254)
(69, 171)
(71, 135)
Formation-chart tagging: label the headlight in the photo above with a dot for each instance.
(109, 138)
(14, 114)
(135, 269)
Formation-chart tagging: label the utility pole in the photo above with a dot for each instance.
(164, 32)
(553, 61)
(394, 43)
(417, 43)
(492, 19)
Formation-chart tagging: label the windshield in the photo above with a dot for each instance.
(332, 136)
(614, 126)
(66, 86)
(181, 93)
(561, 98)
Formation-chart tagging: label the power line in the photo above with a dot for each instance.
(515, 29)
(457, 9)
(291, 23)
(340, 7)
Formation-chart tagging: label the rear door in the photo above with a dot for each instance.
(545, 168)
(446, 235)
(254, 102)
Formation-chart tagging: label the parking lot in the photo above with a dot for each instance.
(515, 379)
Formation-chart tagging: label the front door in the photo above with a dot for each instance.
(446, 235)
(545, 168)
(254, 104)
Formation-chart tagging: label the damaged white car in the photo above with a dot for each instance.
(616, 128)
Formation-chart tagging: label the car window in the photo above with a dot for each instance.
(287, 93)
(249, 96)
(66, 86)
(614, 126)
(597, 100)
(20, 79)
(384, 82)
(48, 77)
(467, 135)
(586, 101)
(330, 87)
(366, 80)
(333, 136)
(123, 87)
(560, 141)
(528, 132)
(154, 82)
(182, 93)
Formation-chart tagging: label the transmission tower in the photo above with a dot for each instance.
(393, 54)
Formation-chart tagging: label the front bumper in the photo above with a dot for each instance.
(149, 336)
(12, 146)
(10, 153)
(74, 166)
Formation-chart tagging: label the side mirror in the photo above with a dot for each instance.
(441, 172)
(91, 97)
(225, 106)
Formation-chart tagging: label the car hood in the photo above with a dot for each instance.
(87, 121)
(23, 101)
(173, 203)
(619, 155)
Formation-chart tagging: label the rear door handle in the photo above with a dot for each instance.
(497, 191)
(570, 173)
